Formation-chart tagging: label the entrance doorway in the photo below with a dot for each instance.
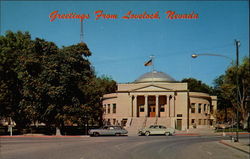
(179, 124)
(151, 106)
(152, 111)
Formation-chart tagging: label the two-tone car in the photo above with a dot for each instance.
(108, 130)
(156, 130)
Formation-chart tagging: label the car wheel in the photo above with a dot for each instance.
(117, 134)
(95, 134)
(140, 133)
(167, 133)
(147, 133)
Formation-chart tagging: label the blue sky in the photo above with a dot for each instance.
(120, 47)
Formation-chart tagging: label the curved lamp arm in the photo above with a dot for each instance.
(196, 55)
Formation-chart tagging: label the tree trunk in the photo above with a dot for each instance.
(58, 131)
(245, 121)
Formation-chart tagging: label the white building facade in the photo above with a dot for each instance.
(156, 98)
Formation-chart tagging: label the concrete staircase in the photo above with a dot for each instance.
(136, 124)
(151, 121)
(164, 121)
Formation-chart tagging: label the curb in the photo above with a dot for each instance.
(187, 135)
(43, 136)
(221, 141)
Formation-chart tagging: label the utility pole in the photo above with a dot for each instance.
(237, 43)
(81, 32)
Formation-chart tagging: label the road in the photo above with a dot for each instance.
(123, 147)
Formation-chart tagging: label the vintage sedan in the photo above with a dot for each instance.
(156, 130)
(108, 130)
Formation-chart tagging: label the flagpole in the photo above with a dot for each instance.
(152, 58)
(150, 63)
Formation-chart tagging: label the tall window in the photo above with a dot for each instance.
(114, 108)
(141, 108)
(162, 109)
(108, 108)
(205, 108)
(193, 121)
(193, 108)
(199, 108)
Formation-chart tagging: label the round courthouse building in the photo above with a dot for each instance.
(157, 98)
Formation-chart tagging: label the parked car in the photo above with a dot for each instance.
(108, 130)
(156, 130)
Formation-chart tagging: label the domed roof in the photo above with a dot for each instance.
(154, 76)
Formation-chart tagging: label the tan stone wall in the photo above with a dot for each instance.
(202, 102)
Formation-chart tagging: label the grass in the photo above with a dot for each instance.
(230, 130)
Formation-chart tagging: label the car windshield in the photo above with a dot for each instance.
(117, 127)
(162, 127)
(111, 128)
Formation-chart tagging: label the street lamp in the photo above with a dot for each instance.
(196, 55)
(237, 43)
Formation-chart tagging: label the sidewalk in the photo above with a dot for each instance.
(43, 136)
(243, 144)
(197, 132)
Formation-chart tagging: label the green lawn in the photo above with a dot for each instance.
(230, 130)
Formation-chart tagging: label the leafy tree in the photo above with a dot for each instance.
(222, 101)
(11, 47)
(95, 91)
(41, 82)
(226, 88)
(195, 85)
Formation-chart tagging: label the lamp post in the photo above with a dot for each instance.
(237, 43)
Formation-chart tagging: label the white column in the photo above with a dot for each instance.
(174, 105)
(166, 107)
(135, 106)
(107, 108)
(157, 105)
(169, 106)
(146, 105)
(111, 108)
(208, 109)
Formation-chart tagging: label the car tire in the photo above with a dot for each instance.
(140, 133)
(117, 134)
(95, 134)
(167, 134)
(147, 133)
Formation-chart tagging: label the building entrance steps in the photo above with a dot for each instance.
(164, 121)
(141, 122)
(136, 124)
(150, 121)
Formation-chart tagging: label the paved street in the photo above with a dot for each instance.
(124, 147)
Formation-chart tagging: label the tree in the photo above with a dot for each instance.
(195, 85)
(222, 99)
(12, 45)
(226, 88)
(95, 90)
(64, 73)
(44, 83)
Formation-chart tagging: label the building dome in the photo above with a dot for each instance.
(154, 76)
